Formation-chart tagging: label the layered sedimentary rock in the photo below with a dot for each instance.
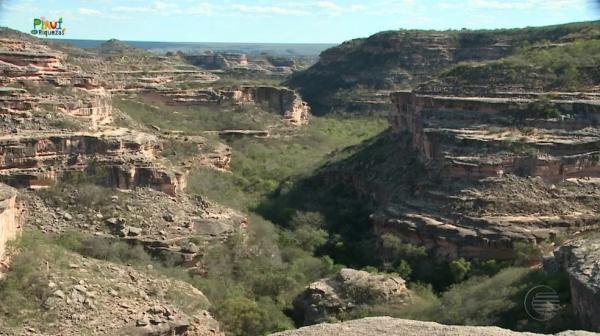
(38, 79)
(10, 219)
(23, 54)
(387, 326)
(489, 149)
(340, 293)
(282, 101)
(581, 260)
(218, 60)
(37, 159)
(562, 145)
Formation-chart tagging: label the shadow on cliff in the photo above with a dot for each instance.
(346, 190)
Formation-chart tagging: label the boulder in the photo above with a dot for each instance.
(345, 290)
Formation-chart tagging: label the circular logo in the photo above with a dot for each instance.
(541, 303)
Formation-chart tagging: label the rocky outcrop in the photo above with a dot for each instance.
(181, 226)
(342, 292)
(387, 326)
(282, 101)
(10, 220)
(37, 159)
(564, 146)
(580, 259)
(482, 140)
(214, 61)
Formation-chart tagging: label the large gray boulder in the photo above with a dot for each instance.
(327, 298)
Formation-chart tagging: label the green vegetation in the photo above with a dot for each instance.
(260, 165)
(542, 67)
(482, 300)
(383, 60)
(24, 289)
(195, 119)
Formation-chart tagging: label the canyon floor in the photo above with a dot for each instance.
(430, 176)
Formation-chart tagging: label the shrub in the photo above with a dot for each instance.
(241, 316)
(459, 269)
(527, 254)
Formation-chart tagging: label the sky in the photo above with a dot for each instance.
(283, 21)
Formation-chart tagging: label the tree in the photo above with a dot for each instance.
(460, 269)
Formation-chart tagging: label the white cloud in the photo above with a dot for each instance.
(358, 8)
(157, 7)
(268, 10)
(89, 11)
(203, 8)
(329, 5)
(131, 9)
(516, 4)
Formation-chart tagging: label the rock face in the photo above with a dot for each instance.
(433, 120)
(37, 159)
(581, 260)
(345, 290)
(498, 141)
(387, 326)
(10, 219)
(213, 61)
(282, 101)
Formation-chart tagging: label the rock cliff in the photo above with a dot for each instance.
(279, 100)
(37, 159)
(481, 140)
(11, 216)
(581, 260)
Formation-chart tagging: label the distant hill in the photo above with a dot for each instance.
(251, 49)
(114, 46)
(402, 59)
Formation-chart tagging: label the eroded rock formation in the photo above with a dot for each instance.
(282, 101)
(327, 298)
(496, 154)
(10, 220)
(37, 159)
(581, 260)
(213, 61)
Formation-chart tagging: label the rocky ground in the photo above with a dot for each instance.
(90, 296)
(180, 224)
(390, 326)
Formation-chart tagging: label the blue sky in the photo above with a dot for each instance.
(316, 21)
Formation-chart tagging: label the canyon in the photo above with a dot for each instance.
(149, 192)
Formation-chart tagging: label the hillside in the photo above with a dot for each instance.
(350, 75)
